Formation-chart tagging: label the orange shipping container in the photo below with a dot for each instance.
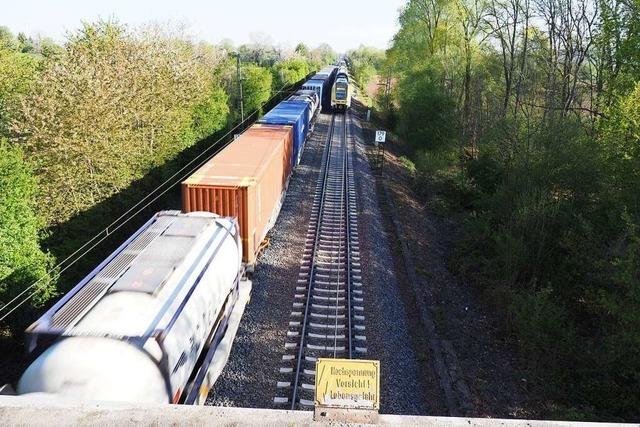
(247, 180)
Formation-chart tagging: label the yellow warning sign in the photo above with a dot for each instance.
(348, 383)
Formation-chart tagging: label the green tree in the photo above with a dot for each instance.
(19, 72)
(22, 262)
(427, 114)
(365, 63)
(535, 105)
(211, 115)
(302, 50)
(322, 55)
(7, 39)
(257, 83)
(25, 44)
(111, 107)
(290, 71)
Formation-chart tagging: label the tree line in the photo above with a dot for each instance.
(82, 120)
(524, 117)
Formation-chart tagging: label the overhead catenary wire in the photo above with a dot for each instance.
(58, 269)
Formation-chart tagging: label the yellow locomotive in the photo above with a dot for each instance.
(341, 91)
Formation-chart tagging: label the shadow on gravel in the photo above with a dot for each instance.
(249, 378)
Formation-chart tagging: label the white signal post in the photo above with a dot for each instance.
(381, 137)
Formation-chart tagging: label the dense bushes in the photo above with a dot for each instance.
(543, 164)
(542, 242)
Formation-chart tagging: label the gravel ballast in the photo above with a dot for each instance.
(249, 379)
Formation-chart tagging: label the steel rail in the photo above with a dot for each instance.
(325, 175)
(328, 315)
(347, 189)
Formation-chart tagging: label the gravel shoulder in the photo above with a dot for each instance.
(408, 383)
(480, 356)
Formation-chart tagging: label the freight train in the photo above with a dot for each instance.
(321, 83)
(146, 324)
(249, 178)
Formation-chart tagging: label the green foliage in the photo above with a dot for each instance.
(427, 114)
(39, 46)
(256, 85)
(531, 128)
(260, 51)
(619, 44)
(365, 63)
(408, 164)
(19, 72)
(321, 56)
(210, 116)
(302, 50)
(290, 71)
(621, 140)
(22, 262)
(7, 39)
(254, 89)
(542, 229)
(110, 108)
(101, 118)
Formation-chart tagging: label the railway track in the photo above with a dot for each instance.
(328, 312)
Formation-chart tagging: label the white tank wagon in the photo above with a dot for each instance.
(140, 326)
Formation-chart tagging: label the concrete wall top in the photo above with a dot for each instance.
(16, 411)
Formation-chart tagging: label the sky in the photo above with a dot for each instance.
(344, 24)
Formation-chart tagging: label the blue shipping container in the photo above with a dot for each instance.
(318, 87)
(294, 113)
(322, 83)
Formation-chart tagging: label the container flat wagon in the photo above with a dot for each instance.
(246, 180)
(137, 327)
(321, 83)
(296, 114)
(310, 110)
(310, 97)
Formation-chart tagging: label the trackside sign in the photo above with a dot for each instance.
(348, 383)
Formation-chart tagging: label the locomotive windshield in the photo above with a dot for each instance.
(341, 90)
